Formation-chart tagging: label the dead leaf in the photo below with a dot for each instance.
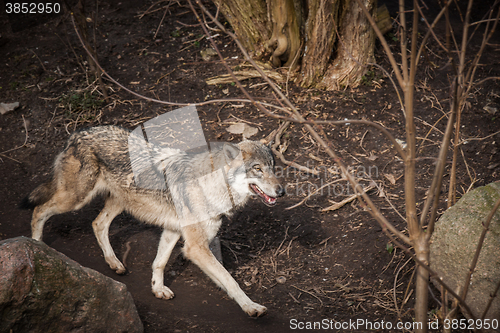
(4, 108)
(390, 177)
(490, 109)
(208, 53)
(242, 128)
(402, 143)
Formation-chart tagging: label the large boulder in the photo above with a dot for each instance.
(42, 290)
(454, 243)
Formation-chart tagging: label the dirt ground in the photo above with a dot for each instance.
(301, 263)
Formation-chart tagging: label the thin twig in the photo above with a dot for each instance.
(21, 146)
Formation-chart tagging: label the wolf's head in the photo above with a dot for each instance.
(253, 171)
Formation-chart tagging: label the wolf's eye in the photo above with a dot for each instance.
(257, 168)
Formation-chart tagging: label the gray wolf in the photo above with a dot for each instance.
(183, 192)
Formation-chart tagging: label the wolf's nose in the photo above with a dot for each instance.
(281, 191)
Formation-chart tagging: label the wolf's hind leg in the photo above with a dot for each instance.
(167, 243)
(40, 215)
(197, 250)
(101, 230)
(61, 201)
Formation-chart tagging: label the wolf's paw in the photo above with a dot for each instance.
(255, 310)
(118, 267)
(163, 292)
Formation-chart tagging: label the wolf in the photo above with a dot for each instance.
(184, 192)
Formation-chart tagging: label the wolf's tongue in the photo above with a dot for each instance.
(267, 199)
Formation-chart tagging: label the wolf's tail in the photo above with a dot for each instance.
(39, 196)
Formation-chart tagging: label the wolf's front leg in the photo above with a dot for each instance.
(167, 243)
(196, 249)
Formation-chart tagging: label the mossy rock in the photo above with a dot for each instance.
(42, 290)
(454, 244)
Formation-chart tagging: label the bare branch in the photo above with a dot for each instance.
(435, 188)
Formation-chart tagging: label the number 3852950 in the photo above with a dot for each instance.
(32, 8)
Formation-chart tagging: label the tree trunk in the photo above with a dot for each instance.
(327, 42)
(249, 20)
(354, 50)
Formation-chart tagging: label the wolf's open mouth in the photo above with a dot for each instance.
(270, 201)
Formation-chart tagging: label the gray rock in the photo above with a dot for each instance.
(42, 290)
(454, 243)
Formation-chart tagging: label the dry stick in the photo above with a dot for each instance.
(403, 42)
(147, 11)
(419, 240)
(452, 190)
(431, 27)
(40, 60)
(385, 224)
(492, 297)
(464, 92)
(314, 192)
(433, 127)
(431, 30)
(460, 94)
(310, 293)
(337, 205)
(487, 21)
(282, 158)
(161, 21)
(484, 80)
(479, 246)
(18, 147)
(448, 46)
(394, 289)
(479, 139)
(463, 50)
(435, 188)
(92, 54)
(486, 37)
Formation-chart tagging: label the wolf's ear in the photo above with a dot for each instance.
(230, 151)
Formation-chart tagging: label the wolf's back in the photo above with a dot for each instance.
(92, 148)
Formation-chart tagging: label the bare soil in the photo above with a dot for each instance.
(301, 263)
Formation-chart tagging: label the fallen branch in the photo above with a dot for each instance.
(337, 205)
